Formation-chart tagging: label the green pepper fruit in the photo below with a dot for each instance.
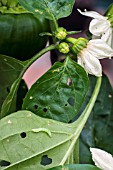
(19, 31)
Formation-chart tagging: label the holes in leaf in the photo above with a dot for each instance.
(69, 82)
(23, 135)
(65, 104)
(4, 163)
(8, 89)
(45, 160)
(35, 107)
(71, 101)
(45, 109)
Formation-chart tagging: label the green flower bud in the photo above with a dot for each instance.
(61, 33)
(63, 48)
(79, 45)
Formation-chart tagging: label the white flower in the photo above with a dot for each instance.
(89, 56)
(100, 26)
(102, 159)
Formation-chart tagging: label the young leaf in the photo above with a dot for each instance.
(59, 93)
(10, 69)
(49, 8)
(75, 167)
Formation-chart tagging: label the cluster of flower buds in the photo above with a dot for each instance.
(88, 52)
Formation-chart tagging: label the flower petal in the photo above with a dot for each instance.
(90, 63)
(92, 14)
(98, 27)
(102, 159)
(108, 37)
(99, 49)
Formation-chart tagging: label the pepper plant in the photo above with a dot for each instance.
(43, 130)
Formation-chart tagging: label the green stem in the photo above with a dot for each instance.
(72, 32)
(33, 59)
(80, 122)
(71, 40)
(55, 23)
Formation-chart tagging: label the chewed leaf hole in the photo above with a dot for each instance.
(45, 109)
(23, 135)
(69, 82)
(66, 104)
(45, 160)
(35, 107)
(71, 101)
(4, 163)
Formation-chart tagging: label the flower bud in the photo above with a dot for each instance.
(79, 45)
(63, 48)
(61, 33)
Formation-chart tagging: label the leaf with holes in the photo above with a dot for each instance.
(29, 142)
(59, 93)
(76, 167)
(10, 68)
(50, 9)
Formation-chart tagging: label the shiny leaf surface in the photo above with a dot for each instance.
(49, 8)
(59, 93)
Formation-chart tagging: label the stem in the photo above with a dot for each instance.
(80, 122)
(55, 23)
(71, 40)
(33, 59)
(73, 32)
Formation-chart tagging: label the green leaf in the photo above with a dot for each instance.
(31, 142)
(98, 131)
(10, 69)
(49, 8)
(59, 93)
(76, 167)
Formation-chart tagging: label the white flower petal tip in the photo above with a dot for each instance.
(92, 14)
(102, 159)
(78, 10)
